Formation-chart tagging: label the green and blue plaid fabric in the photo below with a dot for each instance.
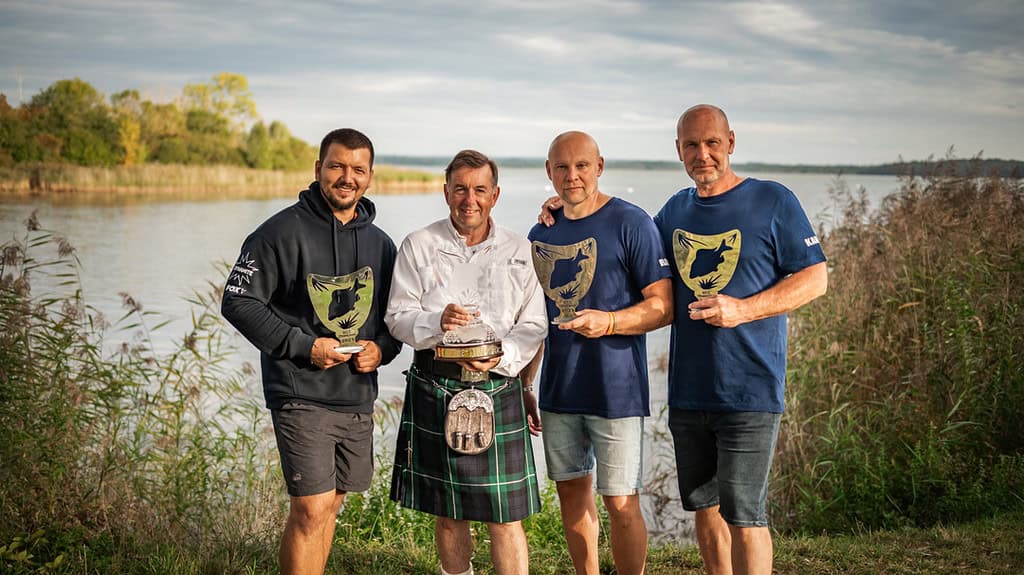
(498, 485)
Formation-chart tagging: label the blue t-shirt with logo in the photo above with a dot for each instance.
(738, 243)
(603, 262)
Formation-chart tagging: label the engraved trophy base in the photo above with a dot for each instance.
(469, 352)
(564, 316)
(349, 348)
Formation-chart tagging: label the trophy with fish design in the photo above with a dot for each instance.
(706, 263)
(475, 341)
(343, 304)
(565, 273)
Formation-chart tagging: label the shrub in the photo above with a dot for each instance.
(907, 380)
(124, 444)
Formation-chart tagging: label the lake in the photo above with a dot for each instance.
(160, 252)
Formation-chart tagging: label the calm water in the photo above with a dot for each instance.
(161, 252)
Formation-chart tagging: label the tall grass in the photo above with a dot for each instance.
(90, 183)
(124, 445)
(906, 382)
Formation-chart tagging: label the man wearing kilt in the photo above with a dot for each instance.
(442, 273)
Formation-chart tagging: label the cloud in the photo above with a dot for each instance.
(799, 78)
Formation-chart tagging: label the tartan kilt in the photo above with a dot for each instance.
(497, 486)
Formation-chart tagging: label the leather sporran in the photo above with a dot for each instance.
(469, 422)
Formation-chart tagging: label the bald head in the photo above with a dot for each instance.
(573, 139)
(703, 110)
(704, 142)
(574, 165)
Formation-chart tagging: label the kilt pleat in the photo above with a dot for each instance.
(499, 485)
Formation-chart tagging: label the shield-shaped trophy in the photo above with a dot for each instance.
(342, 303)
(706, 263)
(565, 273)
(475, 341)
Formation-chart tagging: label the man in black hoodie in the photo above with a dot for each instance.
(316, 272)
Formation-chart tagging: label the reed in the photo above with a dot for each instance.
(89, 183)
(907, 380)
(124, 444)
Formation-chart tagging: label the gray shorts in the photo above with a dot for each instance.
(323, 450)
(574, 443)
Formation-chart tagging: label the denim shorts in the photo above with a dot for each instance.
(323, 450)
(573, 443)
(723, 458)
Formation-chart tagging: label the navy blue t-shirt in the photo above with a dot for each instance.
(603, 262)
(738, 243)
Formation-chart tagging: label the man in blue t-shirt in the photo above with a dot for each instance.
(743, 254)
(607, 283)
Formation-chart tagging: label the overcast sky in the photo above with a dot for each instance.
(802, 82)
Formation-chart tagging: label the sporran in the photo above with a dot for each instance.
(469, 422)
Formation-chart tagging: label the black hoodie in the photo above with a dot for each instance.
(266, 299)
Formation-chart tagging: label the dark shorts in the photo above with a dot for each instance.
(498, 486)
(323, 450)
(723, 458)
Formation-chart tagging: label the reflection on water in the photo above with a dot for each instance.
(161, 252)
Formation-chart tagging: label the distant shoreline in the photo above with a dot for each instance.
(68, 183)
(1004, 168)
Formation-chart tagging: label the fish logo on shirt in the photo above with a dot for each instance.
(565, 273)
(706, 264)
(342, 303)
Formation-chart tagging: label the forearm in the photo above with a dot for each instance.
(265, 330)
(653, 312)
(790, 293)
(415, 327)
(529, 372)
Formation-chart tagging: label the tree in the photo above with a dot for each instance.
(127, 108)
(73, 112)
(259, 148)
(226, 95)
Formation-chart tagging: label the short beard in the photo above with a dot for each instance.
(336, 203)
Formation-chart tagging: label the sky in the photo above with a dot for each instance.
(802, 82)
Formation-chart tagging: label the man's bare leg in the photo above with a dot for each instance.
(454, 544)
(309, 533)
(715, 541)
(580, 523)
(628, 533)
(751, 550)
(508, 548)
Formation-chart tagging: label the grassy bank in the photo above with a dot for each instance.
(64, 182)
(989, 546)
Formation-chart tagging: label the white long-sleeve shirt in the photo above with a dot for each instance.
(510, 298)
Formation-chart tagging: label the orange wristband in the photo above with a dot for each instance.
(611, 323)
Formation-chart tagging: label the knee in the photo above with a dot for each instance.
(624, 509)
(309, 514)
(504, 529)
(449, 525)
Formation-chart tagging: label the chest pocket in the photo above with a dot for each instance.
(501, 286)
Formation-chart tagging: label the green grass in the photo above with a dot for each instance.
(990, 546)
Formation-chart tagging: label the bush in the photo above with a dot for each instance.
(123, 445)
(907, 380)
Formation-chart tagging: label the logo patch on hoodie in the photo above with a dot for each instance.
(241, 274)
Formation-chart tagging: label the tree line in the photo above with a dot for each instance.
(212, 123)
